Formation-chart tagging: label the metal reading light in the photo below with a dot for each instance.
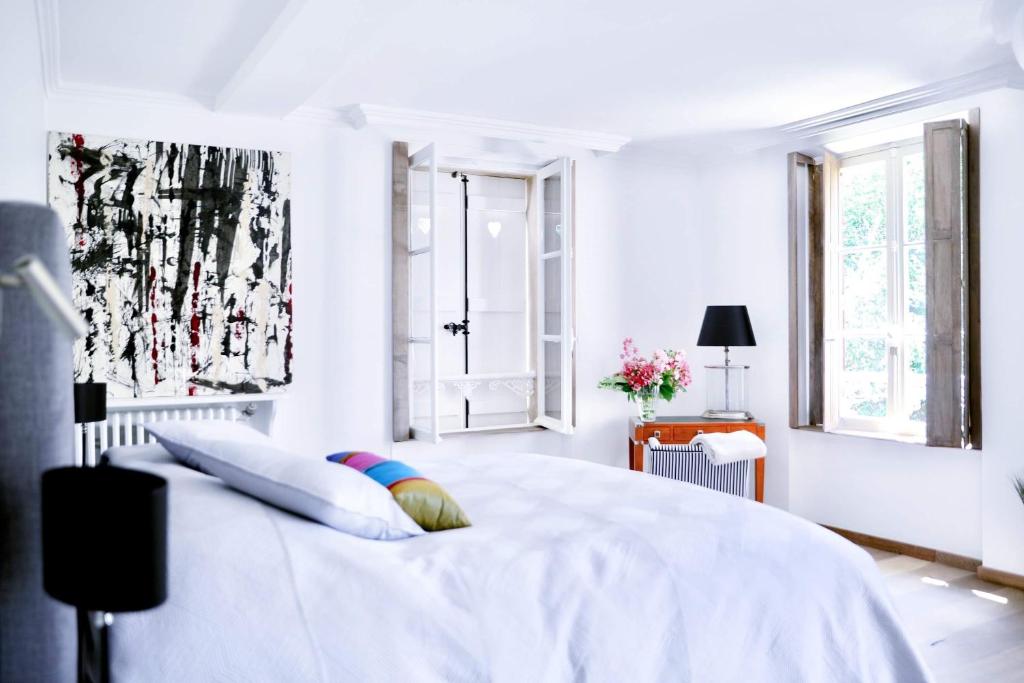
(104, 551)
(29, 272)
(726, 384)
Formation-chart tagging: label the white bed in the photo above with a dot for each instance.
(570, 572)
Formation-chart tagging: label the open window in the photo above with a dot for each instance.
(884, 323)
(483, 296)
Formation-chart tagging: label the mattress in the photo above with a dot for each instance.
(571, 572)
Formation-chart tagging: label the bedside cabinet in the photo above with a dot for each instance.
(680, 430)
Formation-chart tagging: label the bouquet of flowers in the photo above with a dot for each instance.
(665, 374)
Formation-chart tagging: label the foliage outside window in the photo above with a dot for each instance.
(879, 252)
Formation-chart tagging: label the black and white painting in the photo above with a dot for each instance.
(181, 262)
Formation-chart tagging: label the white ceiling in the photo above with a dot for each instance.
(650, 69)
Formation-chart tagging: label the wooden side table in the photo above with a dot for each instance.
(680, 430)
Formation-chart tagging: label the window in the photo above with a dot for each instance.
(883, 287)
(482, 296)
(878, 252)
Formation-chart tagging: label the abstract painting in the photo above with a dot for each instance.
(181, 263)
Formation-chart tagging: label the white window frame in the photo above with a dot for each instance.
(896, 336)
(428, 158)
(566, 337)
(425, 160)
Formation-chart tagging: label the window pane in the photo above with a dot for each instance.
(913, 197)
(865, 290)
(419, 291)
(864, 394)
(419, 373)
(864, 354)
(552, 190)
(552, 296)
(553, 380)
(862, 199)
(914, 378)
(419, 208)
(914, 285)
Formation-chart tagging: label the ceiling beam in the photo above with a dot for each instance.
(300, 51)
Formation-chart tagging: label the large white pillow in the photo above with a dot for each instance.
(247, 460)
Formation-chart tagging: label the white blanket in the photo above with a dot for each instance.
(725, 447)
(571, 572)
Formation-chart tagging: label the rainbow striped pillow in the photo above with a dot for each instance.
(428, 504)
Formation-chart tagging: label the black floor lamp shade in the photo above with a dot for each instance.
(105, 538)
(90, 402)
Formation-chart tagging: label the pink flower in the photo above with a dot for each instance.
(665, 367)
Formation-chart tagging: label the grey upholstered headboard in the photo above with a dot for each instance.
(37, 634)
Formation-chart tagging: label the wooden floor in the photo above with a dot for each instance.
(967, 630)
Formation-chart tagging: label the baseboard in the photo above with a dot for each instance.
(931, 555)
(920, 552)
(999, 576)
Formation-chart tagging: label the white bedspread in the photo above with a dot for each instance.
(571, 572)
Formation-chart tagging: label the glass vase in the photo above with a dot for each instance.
(645, 407)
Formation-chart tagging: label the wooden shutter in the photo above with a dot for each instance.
(815, 295)
(974, 278)
(806, 291)
(947, 257)
(831, 351)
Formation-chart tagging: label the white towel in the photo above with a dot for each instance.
(726, 447)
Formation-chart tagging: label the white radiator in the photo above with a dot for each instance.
(124, 424)
(690, 464)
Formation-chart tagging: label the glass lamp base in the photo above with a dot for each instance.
(728, 415)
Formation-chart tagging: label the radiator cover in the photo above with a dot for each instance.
(690, 464)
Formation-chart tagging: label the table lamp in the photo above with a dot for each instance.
(726, 326)
(104, 551)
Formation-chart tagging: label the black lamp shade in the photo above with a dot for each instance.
(90, 402)
(105, 538)
(726, 326)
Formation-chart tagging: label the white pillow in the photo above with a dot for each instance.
(247, 460)
(191, 439)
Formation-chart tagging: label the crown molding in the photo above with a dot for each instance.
(376, 116)
(321, 116)
(107, 94)
(1004, 75)
(48, 20)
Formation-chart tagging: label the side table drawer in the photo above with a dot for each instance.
(686, 433)
(752, 428)
(662, 433)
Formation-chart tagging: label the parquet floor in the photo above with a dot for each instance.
(967, 630)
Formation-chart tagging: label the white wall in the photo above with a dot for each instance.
(952, 500)
(1002, 281)
(22, 139)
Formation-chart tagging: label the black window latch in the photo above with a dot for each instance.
(455, 328)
